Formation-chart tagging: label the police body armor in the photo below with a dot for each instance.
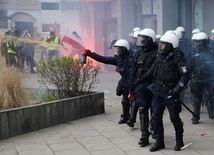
(167, 70)
(144, 62)
(203, 66)
(124, 67)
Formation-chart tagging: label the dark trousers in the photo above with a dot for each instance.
(43, 52)
(174, 108)
(29, 57)
(197, 90)
(53, 53)
(12, 60)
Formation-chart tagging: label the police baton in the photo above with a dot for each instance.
(179, 100)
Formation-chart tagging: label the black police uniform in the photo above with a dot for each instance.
(170, 75)
(134, 48)
(185, 47)
(211, 44)
(143, 60)
(124, 64)
(202, 77)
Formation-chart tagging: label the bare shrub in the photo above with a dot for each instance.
(68, 76)
(12, 93)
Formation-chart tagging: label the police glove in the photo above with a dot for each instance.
(131, 96)
(174, 95)
(86, 52)
(137, 82)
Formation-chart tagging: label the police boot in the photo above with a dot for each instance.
(179, 145)
(179, 135)
(133, 115)
(125, 116)
(210, 110)
(196, 110)
(157, 146)
(144, 125)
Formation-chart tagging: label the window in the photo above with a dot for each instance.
(50, 27)
(3, 19)
(66, 5)
(49, 6)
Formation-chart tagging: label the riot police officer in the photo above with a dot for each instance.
(143, 59)
(134, 30)
(184, 43)
(201, 67)
(170, 75)
(134, 43)
(211, 44)
(123, 61)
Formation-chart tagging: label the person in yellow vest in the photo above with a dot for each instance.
(53, 45)
(4, 46)
(43, 46)
(12, 51)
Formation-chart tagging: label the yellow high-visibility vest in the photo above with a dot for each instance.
(43, 44)
(53, 44)
(9, 50)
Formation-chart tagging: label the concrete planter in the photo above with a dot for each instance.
(22, 120)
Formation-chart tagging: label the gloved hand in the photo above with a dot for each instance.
(174, 95)
(136, 82)
(139, 81)
(86, 52)
(131, 96)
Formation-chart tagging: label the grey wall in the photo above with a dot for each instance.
(208, 16)
(185, 16)
(170, 15)
(129, 17)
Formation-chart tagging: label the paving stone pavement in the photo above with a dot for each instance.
(102, 135)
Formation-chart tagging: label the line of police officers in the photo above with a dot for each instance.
(153, 77)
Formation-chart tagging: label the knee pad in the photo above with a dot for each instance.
(125, 102)
(142, 109)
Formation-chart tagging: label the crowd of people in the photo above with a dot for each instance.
(19, 50)
(155, 72)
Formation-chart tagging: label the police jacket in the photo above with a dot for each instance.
(142, 61)
(170, 73)
(211, 44)
(123, 63)
(133, 47)
(202, 65)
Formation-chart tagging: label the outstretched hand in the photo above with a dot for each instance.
(86, 52)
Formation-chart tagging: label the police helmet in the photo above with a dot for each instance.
(180, 28)
(195, 31)
(170, 39)
(135, 34)
(122, 43)
(193, 36)
(169, 31)
(147, 32)
(136, 29)
(200, 36)
(158, 36)
(178, 34)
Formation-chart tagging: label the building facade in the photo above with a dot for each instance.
(39, 16)
(99, 21)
